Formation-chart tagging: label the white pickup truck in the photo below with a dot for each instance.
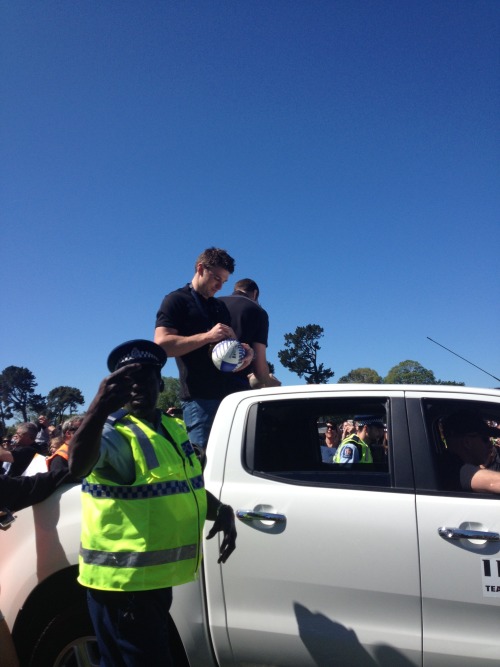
(373, 564)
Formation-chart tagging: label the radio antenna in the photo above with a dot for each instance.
(469, 362)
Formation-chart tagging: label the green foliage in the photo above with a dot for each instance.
(361, 376)
(169, 397)
(61, 399)
(6, 412)
(300, 354)
(17, 387)
(450, 382)
(406, 372)
(18, 398)
(37, 406)
(409, 372)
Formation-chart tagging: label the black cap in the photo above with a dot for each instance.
(369, 420)
(137, 351)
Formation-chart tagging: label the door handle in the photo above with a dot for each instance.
(252, 515)
(460, 534)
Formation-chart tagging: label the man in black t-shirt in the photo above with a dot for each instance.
(251, 325)
(189, 322)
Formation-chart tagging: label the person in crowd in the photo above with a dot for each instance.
(250, 323)
(348, 428)
(472, 461)
(331, 442)
(358, 446)
(6, 446)
(55, 442)
(190, 320)
(43, 436)
(59, 457)
(143, 477)
(22, 451)
(379, 446)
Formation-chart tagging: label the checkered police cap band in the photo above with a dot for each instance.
(137, 351)
(369, 420)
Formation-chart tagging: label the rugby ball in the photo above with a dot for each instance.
(228, 355)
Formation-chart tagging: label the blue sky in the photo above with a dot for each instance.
(344, 152)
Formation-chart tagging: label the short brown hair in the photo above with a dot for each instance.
(212, 257)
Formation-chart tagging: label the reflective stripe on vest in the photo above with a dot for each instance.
(145, 535)
(138, 559)
(143, 491)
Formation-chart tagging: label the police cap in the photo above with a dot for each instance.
(137, 351)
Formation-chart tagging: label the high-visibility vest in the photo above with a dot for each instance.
(146, 535)
(365, 454)
(62, 451)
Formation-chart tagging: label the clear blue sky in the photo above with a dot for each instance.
(345, 152)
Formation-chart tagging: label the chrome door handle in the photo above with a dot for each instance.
(252, 515)
(460, 534)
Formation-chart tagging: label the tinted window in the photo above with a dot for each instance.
(435, 410)
(288, 439)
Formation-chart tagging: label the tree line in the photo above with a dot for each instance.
(18, 398)
(300, 356)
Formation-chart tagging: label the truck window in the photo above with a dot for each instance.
(435, 410)
(298, 439)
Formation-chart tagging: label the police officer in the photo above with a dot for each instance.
(356, 448)
(144, 505)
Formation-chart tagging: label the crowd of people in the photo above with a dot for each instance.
(37, 439)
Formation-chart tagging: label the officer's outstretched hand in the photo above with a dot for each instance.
(225, 523)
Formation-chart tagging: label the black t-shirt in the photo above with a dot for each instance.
(189, 313)
(249, 321)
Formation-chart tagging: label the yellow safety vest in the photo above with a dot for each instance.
(366, 454)
(145, 535)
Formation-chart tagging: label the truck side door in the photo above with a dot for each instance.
(326, 568)
(460, 576)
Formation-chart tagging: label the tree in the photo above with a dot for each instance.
(169, 397)
(361, 376)
(17, 387)
(300, 354)
(61, 399)
(37, 406)
(450, 382)
(5, 413)
(410, 372)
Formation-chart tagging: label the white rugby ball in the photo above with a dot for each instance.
(228, 355)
